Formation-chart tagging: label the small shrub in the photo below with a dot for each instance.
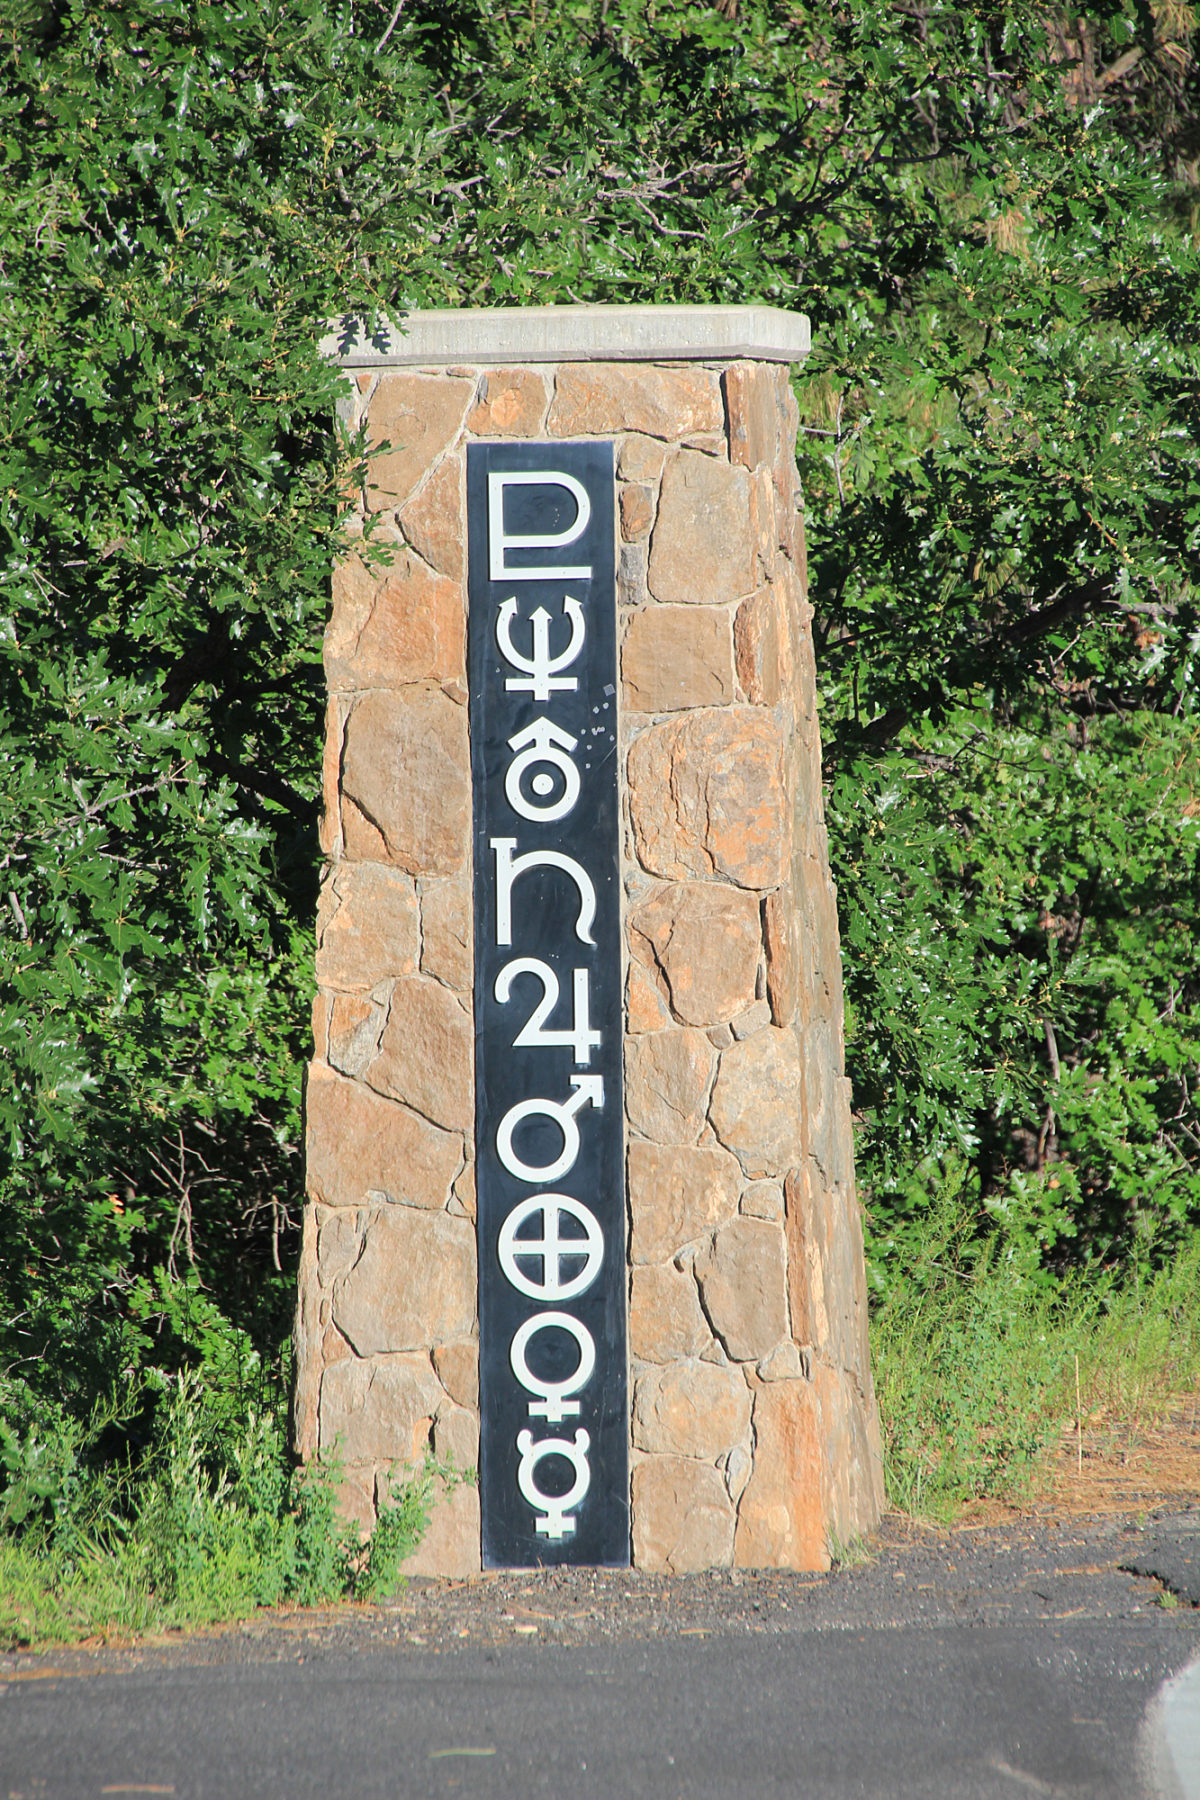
(213, 1522)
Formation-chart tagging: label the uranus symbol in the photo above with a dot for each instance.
(542, 675)
(554, 1508)
(542, 742)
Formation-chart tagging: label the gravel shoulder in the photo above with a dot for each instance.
(1142, 1567)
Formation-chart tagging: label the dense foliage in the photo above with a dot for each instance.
(991, 215)
(205, 1526)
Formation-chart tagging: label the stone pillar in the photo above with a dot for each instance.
(754, 1434)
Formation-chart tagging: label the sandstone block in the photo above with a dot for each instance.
(458, 1371)
(701, 551)
(456, 1438)
(707, 797)
(394, 625)
(331, 768)
(737, 1466)
(755, 1018)
(354, 1026)
(785, 1363)
(744, 1284)
(805, 678)
(406, 767)
(511, 403)
(463, 1197)
(783, 960)
(641, 459)
(306, 1341)
(690, 1409)
(433, 520)
(334, 1347)
(781, 1520)
(755, 1108)
(426, 1054)
(339, 1241)
(631, 575)
(706, 940)
(355, 1504)
(362, 841)
(826, 1269)
(637, 511)
(789, 523)
(821, 1098)
(764, 526)
(806, 1228)
(674, 657)
(762, 1200)
(360, 1146)
(320, 1024)
(419, 416)
(599, 399)
(446, 931)
(379, 1411)
(645, 1008)
(667, 1079)
(450, 1546)
(665, 1320)
(761, 645)
(683, 1520)
(752, 413)
(367, 926)
(820, 962)
(712, 443)
(792, 538)
(853, 1454)
(413, 1285)
(677, 1195)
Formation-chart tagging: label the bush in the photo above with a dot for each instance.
(209, 1520)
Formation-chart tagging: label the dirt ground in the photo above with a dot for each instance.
(1118, 1468)
(1112, 1467)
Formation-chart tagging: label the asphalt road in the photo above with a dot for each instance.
(969, 1666)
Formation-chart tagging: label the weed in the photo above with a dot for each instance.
(855, 1553)
(211, 1523)
(975, 1360)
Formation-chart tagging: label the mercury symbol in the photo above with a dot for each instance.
(554, 1509)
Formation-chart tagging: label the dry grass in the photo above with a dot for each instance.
(1114, 1465)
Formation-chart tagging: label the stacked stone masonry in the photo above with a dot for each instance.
(754, 1435)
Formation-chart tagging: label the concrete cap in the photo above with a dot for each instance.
(523, 334)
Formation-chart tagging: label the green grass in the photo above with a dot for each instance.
(213, 1523)
(975, 1366)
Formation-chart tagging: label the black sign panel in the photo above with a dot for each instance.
(548, 1015)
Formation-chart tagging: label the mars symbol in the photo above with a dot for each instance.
(548, 1022)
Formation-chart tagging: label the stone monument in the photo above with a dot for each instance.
(578, 1067)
